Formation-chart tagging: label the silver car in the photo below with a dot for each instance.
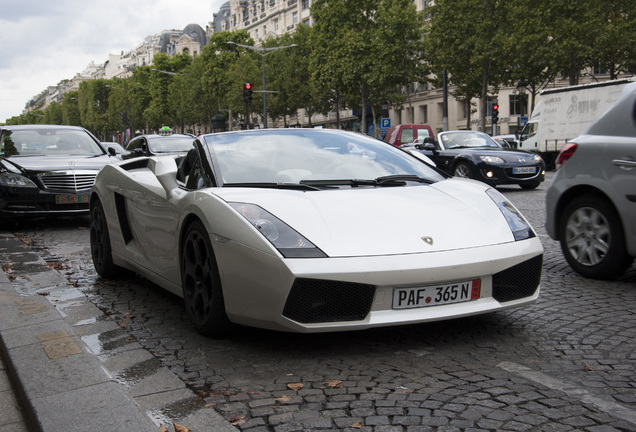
(591, 203)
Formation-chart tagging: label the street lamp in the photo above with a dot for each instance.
(263, 52)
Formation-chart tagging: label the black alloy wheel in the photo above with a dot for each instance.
(201, 284)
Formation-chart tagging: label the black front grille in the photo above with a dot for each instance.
(316, 300)
(518, 281)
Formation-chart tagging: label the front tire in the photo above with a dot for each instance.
(592, 238)
(462, 169)
(101, 251)
(202, 293)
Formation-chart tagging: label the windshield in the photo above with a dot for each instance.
(48, 142)
(170, 144)
(309, 155)
(466, 139)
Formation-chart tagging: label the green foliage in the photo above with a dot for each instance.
(364, 51)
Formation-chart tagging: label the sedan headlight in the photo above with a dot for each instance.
(8, 179)
(492, 159)
(518, 224)
(284, 238)
(537, 158)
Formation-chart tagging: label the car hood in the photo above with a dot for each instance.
(449, 215)
(507, 155)
(59, 163)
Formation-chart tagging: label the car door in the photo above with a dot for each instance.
(153, 223)
(619, 159)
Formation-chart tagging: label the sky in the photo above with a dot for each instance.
(43, 42)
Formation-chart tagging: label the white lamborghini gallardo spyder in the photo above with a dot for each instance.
(309, 230)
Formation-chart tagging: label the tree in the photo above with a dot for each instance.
(614, 43)
(364, 51)
(70, 109)
(470, 40)
(226, 68)
(288, 73)
(93, 105)
(160, 112)
(574, 27)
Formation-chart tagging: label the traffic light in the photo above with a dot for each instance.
(495, 113)
(247, 92)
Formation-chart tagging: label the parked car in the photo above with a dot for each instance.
(288, 229)
(591, 203)
(117, 149)
(407, 133)
(506, 141)
(47, 170)
(158, 144)
(475, 155)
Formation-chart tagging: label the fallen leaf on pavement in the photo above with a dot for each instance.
(283, 398)
(179, 428)
(295, 386)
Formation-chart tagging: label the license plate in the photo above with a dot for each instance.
(72, 199)
(524, 170)
(457, 292)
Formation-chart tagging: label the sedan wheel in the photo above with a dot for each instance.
(462, 169)
(592, 239)
(201, 284)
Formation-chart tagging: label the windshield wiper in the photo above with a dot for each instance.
(391, 180)
(387, 180)
(272, 185)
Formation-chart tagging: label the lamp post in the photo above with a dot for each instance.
(263, 52)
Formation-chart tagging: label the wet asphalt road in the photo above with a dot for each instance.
(567, 363)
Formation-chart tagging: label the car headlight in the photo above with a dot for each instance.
(284, 238)
(537, 158)
(492, 159)
(8, 179)
(518, 224)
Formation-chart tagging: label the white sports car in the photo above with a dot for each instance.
(311, 230)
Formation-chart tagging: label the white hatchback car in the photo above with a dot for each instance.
(591, 203)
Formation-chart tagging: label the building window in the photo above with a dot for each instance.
(424, 113)
(518, 104)
(295, 18)
(276, 24)
(305, 4)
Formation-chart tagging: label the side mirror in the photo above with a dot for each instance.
(165, 169)
(112, 151)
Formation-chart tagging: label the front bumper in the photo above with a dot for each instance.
(22, 202)
(339, 294)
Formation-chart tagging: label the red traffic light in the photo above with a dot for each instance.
(495, 107)
(248, 86)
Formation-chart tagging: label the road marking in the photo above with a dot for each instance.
(607, 406)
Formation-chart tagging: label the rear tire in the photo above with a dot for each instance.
(201, 284)
(592, 238)
(101, 251)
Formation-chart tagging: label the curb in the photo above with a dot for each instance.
(65, 358)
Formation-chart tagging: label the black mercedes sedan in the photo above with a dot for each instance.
(48, 170)
(474, 154)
